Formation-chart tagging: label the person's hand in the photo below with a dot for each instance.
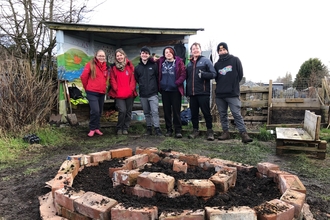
(200, 73)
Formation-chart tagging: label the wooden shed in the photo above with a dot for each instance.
(76, 44)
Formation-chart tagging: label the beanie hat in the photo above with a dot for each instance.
(172, 51)
(145, 49)
(222, 45)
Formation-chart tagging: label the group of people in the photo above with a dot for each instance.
(166, 75)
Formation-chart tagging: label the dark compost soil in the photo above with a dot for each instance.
(248, 191)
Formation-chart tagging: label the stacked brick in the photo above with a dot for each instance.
(63, 202)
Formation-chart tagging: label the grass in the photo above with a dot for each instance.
(12, 150)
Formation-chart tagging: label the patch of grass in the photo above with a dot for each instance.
(30, 171)
(10, 150)
(264, 134)
(310, 167)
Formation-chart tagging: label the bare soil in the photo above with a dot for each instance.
(19, 189)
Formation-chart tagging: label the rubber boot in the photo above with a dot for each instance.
(194, 134)
(224, 136)
(210, 135)
(245, 137)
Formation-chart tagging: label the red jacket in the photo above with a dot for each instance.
(123, 84)
(99, 84)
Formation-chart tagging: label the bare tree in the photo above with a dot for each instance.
(22, 32)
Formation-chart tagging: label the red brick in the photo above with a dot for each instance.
(136, 161)
(295, 198)
(180, 166)
(196, 187)
(121, 153)
(275, 173)
(94, 205)
(119, 212)
(68, 214)
(60, 181)
(65, 197)
(168, 160)
(46, 208)
(191, 159)
(223, 180)
(146, 150)
(113, 169)
(280, 210)
(204, 162)
(76, 158)
(241, 212)
(69, 166)
(290, 182)
(154, 158)
(185, 215)
(156, 181)
(99, 157)
(85, 159)
(265, 167)
(143, 192)
(126, 177)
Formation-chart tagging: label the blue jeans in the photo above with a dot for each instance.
(96, 102)
(234, 104)
(150, 109)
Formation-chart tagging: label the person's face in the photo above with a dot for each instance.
(168, 54)
(144, 56)
(222, 51)
(196, 51)
(120, 57)
(100, 56)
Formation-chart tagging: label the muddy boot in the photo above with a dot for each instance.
(178, 133)
(210, 136)
(158, 132)
(169, 133)
(149, 131)
(194, 134)
(224, 136)
(245, 137)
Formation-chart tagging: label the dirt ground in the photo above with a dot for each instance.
(19, 195)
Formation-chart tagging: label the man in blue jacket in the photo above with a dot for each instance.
(229, 74)
(200, 72)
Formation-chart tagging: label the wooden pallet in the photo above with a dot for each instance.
(305, 139)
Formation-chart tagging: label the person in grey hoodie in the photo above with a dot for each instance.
(229, 74)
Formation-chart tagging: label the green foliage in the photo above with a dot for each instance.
(264, 134)
(311, 73)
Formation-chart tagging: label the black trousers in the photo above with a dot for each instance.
(202, 102)
(172, 107)
(96, 102)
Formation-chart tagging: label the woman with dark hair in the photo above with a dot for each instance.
(123, 89)
(172, 74)
(94, 80)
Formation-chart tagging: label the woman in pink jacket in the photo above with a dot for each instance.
(94, 80)
(123, 89)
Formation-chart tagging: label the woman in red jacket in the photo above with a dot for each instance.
(123, 89)
(94, 80)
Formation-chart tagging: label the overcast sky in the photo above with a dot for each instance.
(271, 38)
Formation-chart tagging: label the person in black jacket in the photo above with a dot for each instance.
(200, 72)
(229, 74)
(146, 75)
